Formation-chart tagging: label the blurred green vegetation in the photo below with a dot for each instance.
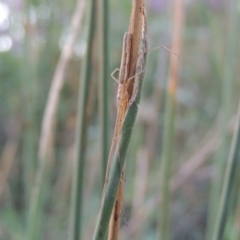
(31, 39)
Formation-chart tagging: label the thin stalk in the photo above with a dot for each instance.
(227, 88)
(103, 81)
(48, 124)
(167, 163)
(135, 27)
(77, 198)
(30, 94)
(152, 133)
(118, 154)
(114, 224)
(230, 174)
(168, 138)
(235, 193)
(36, 202)
(8, 155)
(115, 175)
(49, 116)
(30, 134)
(237, 217)
(232, 210)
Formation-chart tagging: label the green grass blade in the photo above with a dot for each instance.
(227, 89)
(103, 81)
(169, 124)
(231, 172)
(77, 204)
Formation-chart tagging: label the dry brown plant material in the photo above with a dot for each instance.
(125, 93)
(48, 123)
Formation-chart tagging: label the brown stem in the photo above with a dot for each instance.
(135, 28)
(116, 213)
(57, 84)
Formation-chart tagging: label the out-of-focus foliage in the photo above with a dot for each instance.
(32, 34)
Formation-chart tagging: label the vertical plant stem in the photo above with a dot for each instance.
(30, 94)
(231, 171)
(135, 27)
(116, 213)
(167, 163)
(227, 88)
(117, 156)
(110, 192)
(58, 82)
(237, 216)
(35, 202)
(48, 126)
(8, 156)
(103, 81)
(77, 198)
(153, 131)
(30, 134)
(168, 138)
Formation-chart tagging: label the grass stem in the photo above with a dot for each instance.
(77, 188)
(230, 175)
(168, 137)
(103, 81)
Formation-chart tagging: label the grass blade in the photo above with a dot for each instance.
(168, 138)
(119, 156)
(103, 81)
(227, 89)
(230, 175)
(76, 204)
